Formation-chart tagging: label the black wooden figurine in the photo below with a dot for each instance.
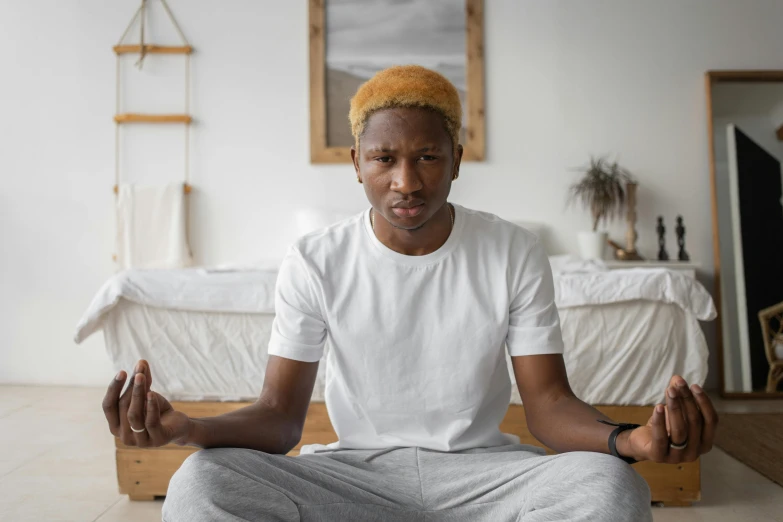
(682, 255)
(662, 254)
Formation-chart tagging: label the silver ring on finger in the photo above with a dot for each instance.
(672, 445)
(134, 430)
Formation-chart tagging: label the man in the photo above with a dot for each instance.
(419, 299)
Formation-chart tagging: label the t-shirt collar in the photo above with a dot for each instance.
(427, 259)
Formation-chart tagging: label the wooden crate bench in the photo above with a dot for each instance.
(143, 474)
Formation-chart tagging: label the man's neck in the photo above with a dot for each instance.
(419, 242)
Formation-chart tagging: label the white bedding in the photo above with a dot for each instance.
(222, 356)
(620, 286)
(626, 353)
(252, 291)
(626, 332)
(195, 290)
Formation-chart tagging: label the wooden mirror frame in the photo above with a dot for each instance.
(474, 144)
(712, 78)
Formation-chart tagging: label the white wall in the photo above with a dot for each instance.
(565, 79)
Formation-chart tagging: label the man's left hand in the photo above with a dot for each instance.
(688, 419)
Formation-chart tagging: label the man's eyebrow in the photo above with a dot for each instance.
(429, 148)
(379, 148)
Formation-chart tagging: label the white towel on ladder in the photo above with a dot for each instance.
(152, 227)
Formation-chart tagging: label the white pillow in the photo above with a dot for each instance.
(536, 228)
(571, 264)
(311, 219)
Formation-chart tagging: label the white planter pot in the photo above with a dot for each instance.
(592, 245)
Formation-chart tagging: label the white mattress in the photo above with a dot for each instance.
(616, 353)
(206, 331)
(252, 291)
(190, 289)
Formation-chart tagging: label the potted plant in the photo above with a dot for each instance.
(602, 192)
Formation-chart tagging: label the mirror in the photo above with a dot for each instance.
(745, 117)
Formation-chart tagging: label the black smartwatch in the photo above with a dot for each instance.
(613, 438)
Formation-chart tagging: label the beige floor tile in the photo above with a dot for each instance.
(56, 456)
(29, 433)
(11, 459)
(711, 514)
(26, 434)
(71, 461)
(14, 398)
(75, 399)
(55, 498)
(720, 465)
(136, 511)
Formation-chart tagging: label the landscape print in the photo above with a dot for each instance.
(366, 36)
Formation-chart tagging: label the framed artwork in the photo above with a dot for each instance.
(351, 40)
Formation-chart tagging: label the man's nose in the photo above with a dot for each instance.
(406, 178)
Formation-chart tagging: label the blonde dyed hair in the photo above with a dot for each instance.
(406, 86)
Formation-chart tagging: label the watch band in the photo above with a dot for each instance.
(621, 427)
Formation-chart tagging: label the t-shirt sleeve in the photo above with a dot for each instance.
(298, 330)
(533, 324)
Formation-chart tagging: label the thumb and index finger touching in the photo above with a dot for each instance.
(142, 366)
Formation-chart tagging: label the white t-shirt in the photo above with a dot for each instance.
(416, 343)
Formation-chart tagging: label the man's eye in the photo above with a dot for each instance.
(429, 158)
(384, 159)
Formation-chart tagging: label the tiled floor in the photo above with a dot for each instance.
(57, 464)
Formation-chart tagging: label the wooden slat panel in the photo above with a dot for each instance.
(207, 409)
(187, 189)
(320, 152)
(715, 236)
(318, 148)
(671, 484)
(330, 155)
(153, 49)
(474, 71)
(153, 118)
(143, 473)
(780, 133)
(152, 468)
(746, 76)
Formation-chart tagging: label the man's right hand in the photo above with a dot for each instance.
(152, 417)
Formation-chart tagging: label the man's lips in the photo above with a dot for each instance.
(408, 211)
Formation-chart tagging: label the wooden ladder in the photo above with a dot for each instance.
(143, 49)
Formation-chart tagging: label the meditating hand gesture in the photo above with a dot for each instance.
(680, 431)
(141, 417)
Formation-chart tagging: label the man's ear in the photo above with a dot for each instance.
(355, 160)
(457, 161)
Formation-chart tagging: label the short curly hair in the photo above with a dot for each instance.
(407, 86)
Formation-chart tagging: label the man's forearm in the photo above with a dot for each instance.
(569, 424)
(257, 427)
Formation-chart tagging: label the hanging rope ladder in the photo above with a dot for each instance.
(143, 50)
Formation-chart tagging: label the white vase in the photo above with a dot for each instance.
(592, 245)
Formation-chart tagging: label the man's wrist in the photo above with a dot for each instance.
(190, 436)
(623, 445)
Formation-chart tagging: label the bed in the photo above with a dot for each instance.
(205, 334)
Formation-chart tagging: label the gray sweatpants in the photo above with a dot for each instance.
(505, 483)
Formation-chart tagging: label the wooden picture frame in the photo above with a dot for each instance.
(711, 78)
(474, 145)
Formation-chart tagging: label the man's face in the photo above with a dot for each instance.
(406, 163)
